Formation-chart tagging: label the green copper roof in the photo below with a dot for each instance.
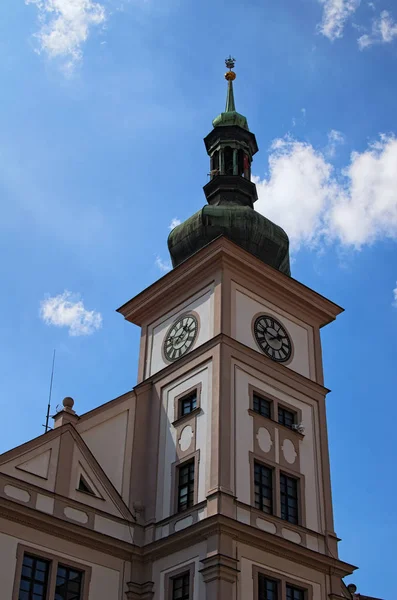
(230, 106)
(242, 225)
(230, 116)
(231, 195)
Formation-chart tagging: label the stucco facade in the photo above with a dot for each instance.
(100, 492)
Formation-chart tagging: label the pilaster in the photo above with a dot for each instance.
(139, 591)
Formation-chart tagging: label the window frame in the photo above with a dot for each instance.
(283, 580)
(54, 561)
(174, 574)
(262, 397)
(33, 580)
(285, 409)
(276, 403)
(272, 474)
(267, 578)
(278, 469)
(296, 587)
(178, 416)
(182, 576)
(193, 456)
(298, 498)
(190, 484)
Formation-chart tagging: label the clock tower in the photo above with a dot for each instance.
(230, 473)
(210, 479)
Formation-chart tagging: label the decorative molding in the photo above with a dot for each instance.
(221, 567)
(222, 253)
(139, 591)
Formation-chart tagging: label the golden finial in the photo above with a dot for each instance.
(230, 75)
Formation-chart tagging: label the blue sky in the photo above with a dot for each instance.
(103, 108)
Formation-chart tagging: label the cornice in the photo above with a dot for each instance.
(273, 369)
(30, 487)
(247, 355)
(223, 253)
(215, 525)
(220, 524)
(66, 530)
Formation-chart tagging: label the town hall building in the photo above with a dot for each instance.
(210, 480)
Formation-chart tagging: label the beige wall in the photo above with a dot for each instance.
(108, 433)
(202, 304)
(25, 467)
(106, 579)
(176, 561)
(172, 445)
(279, 568)
(247, 305)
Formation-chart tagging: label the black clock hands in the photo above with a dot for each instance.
(180, 337)
(272, 338)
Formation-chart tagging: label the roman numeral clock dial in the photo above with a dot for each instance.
(180, 337)
(272, 338)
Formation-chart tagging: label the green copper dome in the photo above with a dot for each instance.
(241, 224)
(230, 118)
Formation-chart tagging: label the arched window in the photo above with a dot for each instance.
(228, 157)
(215, 164)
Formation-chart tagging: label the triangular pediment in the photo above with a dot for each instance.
(89, 484)
(60, 462)
(38, 465)
(34, 462)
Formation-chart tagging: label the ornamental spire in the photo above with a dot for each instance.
(230, 76)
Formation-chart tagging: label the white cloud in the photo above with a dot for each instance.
(301, 119)
(384, 31)
(174, 223)
(335, 15)
(163, 265)
(395, 296)
(314, 202)
(335, 138)
(67, 310)
(65, 26)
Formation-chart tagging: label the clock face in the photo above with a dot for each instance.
(272, 338)
(180, 337)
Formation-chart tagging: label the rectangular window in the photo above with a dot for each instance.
(267, 588)
(262, 405)
(289, 498)
(68, 584)
(181, 587)
(186, 485)
(294, 593)
(34, 578)
(286, 417)
(188, 403)
(263, 488)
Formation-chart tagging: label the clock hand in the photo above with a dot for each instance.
(275, 337)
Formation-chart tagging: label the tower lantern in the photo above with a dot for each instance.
(231, 195)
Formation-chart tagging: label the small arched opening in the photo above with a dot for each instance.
(228, 158)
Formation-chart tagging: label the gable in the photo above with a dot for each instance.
(107, 442)
(34, 462)
(85, 474)
(60, 462)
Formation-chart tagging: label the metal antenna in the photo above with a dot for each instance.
(47, 427)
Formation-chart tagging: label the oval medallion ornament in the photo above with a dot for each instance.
(289, 451)
(186, 438)
(264, 439)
